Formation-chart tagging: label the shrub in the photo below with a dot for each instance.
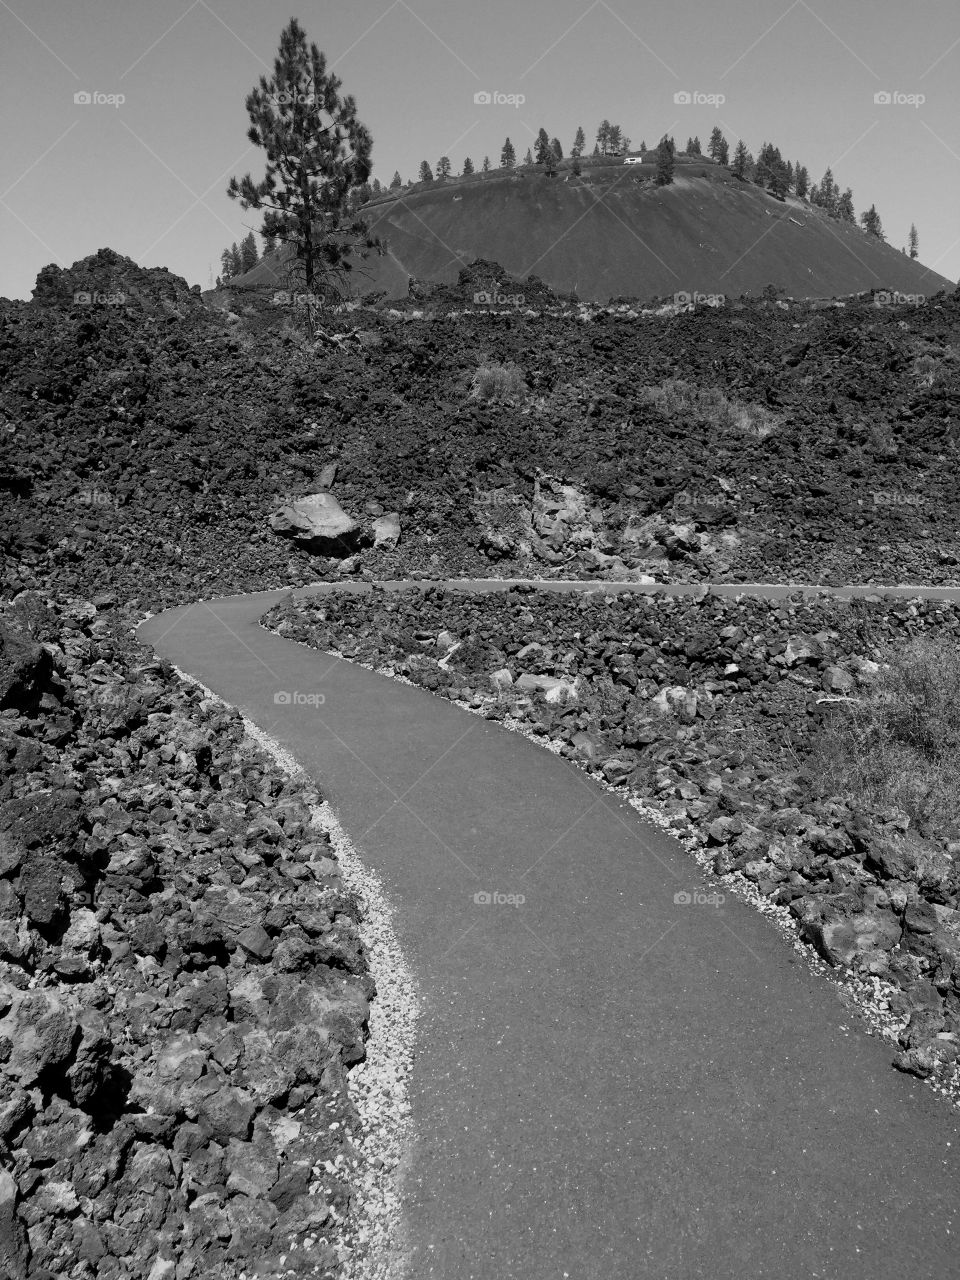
(498, 382)
(898, 746)
(679, 398)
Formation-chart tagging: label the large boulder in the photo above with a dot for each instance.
(319, 523)
(25, 667)
(386, 530)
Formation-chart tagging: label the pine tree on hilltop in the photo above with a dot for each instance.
(543, 146)
(556, 148)
(508, 157)
(528, 158)
(694, 147)
(665, 162)
(579, 142)
(317, 155)
(615, 138)
(603, 137)
(396, 180)
(226, 265)
(740, 165)
(801, 182)
(486, 164)
(914, 241)
(426, 173)
(871, 223)
(829, 193)
(443, 168)
(248, 253)
(845, 210)
(236, 260)
(467, 167)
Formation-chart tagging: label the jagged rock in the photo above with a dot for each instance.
(318, 523)
(386, 530)
(14, 1250)
(25, 667)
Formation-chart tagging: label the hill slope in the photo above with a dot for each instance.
(612, 232)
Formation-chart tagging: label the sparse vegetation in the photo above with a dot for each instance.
(679, 398)
(898, 745)
(494, 382)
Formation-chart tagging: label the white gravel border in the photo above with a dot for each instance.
(374, 1246)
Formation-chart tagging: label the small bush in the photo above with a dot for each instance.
(679, 398)
(898, 746)
(498, 382)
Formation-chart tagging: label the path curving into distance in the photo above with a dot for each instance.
(609, 1085)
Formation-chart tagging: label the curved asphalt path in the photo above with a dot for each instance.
(608, 1084)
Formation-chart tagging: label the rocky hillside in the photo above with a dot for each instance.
(612, 232)
(152, 437)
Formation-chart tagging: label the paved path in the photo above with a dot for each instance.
(609, 1084)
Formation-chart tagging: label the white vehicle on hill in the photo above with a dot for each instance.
(633, 160)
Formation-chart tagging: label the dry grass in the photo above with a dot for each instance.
(898, 745)
(493, 382)
(677, 398)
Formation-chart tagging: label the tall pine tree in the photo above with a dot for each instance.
(914, 241)
(579, 142)
(318, 153)
(740, 166)
(665, 155)
(508, 157)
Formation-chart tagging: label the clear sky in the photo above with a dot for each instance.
(147, 177)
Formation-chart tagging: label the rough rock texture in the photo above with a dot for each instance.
(707, 707)
(319, 523)
(182, 984)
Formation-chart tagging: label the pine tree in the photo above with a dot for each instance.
(688, 149)
(377, 188)
(248, 252)
(596, 149)
(226, 265)
(486, 164)
(543, 146)
(396, 180)
(914, 241)
(579, 142)
(643, 145)
(528, 158)
(695, 149)
(845, 210)
(443, 168)
(317, 153)
(801, 180)
(236, 259)
(829, 193)
(740, 164)
(615, 138)
(508, 157)
(871, 223)
(603, 137)
(665, 160)
(467, 167)
(576, 168)
(426, 173)
(556, 148)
